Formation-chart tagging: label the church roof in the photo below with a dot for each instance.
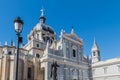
(44, 27)
(47, 28)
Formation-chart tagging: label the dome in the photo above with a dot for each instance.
(47, 28)
(44, 27)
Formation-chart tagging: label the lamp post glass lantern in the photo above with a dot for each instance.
(18, 23)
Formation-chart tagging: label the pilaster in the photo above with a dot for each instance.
(68, 73)
(46, 71)
(78, 74)
(11, 67)
(35, 63)
(0, 68)
(41, 36)
(5, 66)
(64, 50)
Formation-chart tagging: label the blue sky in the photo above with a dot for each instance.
(90, 18)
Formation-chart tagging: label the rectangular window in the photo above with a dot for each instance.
(29, 72)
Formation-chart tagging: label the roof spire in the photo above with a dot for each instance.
(95, 46)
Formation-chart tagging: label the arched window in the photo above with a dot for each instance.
(51, 41)
(94, 53)
(37, 55)
(9, 53)
(37, 45)
(48, 38)
(74, 53)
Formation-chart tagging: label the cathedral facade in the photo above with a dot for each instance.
(42, 49)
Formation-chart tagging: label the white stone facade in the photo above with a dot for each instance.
(106, 70)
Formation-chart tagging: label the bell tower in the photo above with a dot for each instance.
(95, 52)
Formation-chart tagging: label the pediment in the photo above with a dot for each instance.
(74, 37)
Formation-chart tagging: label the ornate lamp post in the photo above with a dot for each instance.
(18, 23)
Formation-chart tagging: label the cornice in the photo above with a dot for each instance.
(106, 75)
(61, 61)
(23, 49)
(106, 63)
(36, 49)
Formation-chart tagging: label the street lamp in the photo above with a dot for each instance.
(18, 23)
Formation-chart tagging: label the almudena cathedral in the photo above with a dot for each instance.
(42, 48)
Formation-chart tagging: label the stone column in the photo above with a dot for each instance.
(78, 74)
(25, 68)
(68, 73)
(5, 69)
(11, 67)
(82, 74)
(40, 36)
(70, 50)
(35, 63)
(40, 71)
(77, 55)
(47, 71)
(0, 68)
(64, 49)
(64, 68)
(42, 74)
